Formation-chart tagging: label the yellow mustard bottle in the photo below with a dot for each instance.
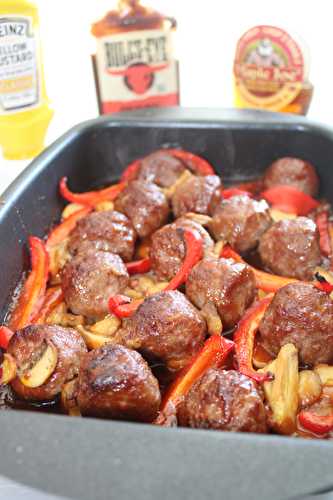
(25, 111)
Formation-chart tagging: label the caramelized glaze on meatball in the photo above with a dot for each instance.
(116, 382)
(302, 315)
(89, 280)
(166, 328)
(196, 194)
(28, 345)
(291, 248)
(292, 172)
(230, 286)
(145, 205)
(224, 400)
(241, 221)
(109, 231)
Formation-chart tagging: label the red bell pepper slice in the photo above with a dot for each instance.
(139, 266)
(5, 336)
(253, 187)
(54, 296)
(214, 352)
(194, 253)
(121, 306)
(60, 232)
(244, 339)
(324, 236)
(90, 198)
(319, 424)
(194, 162)
(230, 192)
(271, 282)
(131, 171)
(289, 199)
(33, 292)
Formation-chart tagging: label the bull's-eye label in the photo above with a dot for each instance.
(269, 68)
(19, 89)
(136, 69)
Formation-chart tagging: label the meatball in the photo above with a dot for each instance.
(166, 328)
(228, 285)
(302, 315)
(28, 345)
(145, 205)
(197, 194)
(168, 248)
(240, 221)
(161, 168)
(116, 382)
(292, 172)
(89, 280)
(223, 400)
(109, 231)
(291, 248)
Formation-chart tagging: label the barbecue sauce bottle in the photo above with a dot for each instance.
(134, 63)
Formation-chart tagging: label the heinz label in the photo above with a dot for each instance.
(136, 69)
(19, 88)
(269, 68)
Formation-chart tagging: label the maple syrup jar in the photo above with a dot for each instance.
(134, 63)
(271, 71)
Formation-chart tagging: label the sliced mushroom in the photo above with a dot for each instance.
(104, 206)
(278, 215)
(325, 373)
(213, 320)
(107, 326)
(7, 369)
(309, 389)
(218, 247)
(170, 190)
(39, 373)
(93, 340)
(203, 220)
(282, 392)
(70, 209)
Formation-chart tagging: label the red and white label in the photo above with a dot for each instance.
(136, 69)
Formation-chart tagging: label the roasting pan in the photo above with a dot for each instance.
(90, 459)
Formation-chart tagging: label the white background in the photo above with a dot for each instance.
(205, 44)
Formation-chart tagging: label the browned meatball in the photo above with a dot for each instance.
(291, 248)
(160, 168)
(109, 231)
(168, 248)
(230, 286)
(196, 194)
(116, 382)
(303, 315)
(29, 344)
(89, 280)
(292, 172)
(224, 400)
(145, 205)
(167, 328)
(240, 221)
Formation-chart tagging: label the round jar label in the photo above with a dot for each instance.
(269, 68)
